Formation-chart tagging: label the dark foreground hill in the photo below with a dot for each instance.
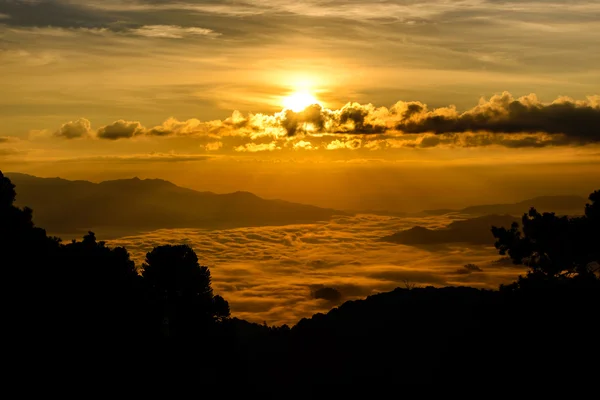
(443, 336)
(453, 338)
(67, 207)
(472, 231)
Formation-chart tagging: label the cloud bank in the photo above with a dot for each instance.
(282, 274)
(501, 120)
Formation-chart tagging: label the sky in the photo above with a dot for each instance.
(400, 105)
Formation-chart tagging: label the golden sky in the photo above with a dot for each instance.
(374, 104)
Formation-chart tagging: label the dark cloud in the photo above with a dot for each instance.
(293, 121)
(140, 21)
(4, 139)
(53, 13)
(357, 114)
(501, 120)
(468, 269)
(352, 118)
(75, 129)
(326, 293)
(411, 110)
(430, 141)
(120, 130)
(472, 268)
(579, 122)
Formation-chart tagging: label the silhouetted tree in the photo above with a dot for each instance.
(17, 228)
(591, 230)
(74, 291)
(7, 192)
(100, 288)
(27, 257)
(182, 290)
(592, 211)
(221, 308)
(86, 289)
(553, 246)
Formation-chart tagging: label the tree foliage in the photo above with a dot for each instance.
(85, 288)
(554, 246)
(182, 289)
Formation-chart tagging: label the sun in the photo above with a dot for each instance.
(298, 101)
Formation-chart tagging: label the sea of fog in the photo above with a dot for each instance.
(273, 274)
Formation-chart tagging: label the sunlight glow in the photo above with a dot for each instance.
(298, 101)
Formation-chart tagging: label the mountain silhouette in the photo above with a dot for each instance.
(473, 231)
(569, 205)
(131, 205)
(88, 305)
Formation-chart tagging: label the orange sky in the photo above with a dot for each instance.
(474, 99)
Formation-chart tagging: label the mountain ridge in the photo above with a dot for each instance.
(73, 207)
(475, 231)
(556, 203)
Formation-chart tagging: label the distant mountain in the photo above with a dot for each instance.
(130, 205)
(387, 213)
(474, 231)
(568, 205)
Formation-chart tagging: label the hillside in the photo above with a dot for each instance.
(473, 231)
(71, 207)
(429, 336)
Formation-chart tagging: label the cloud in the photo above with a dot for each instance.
(86, 16)
(213, 146)
(172, 31)
(326, 293)
(500, 121)
(352, 144)
(140, 158)
(255, 148)
(468, 269)
(273, 273)
(172, 126)
(576, 120)
(8, 152)
(304, 145)
(75, 129)
(351, 118)
(120, 130)
(51, 14)
(472, 268)
(5, 139)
